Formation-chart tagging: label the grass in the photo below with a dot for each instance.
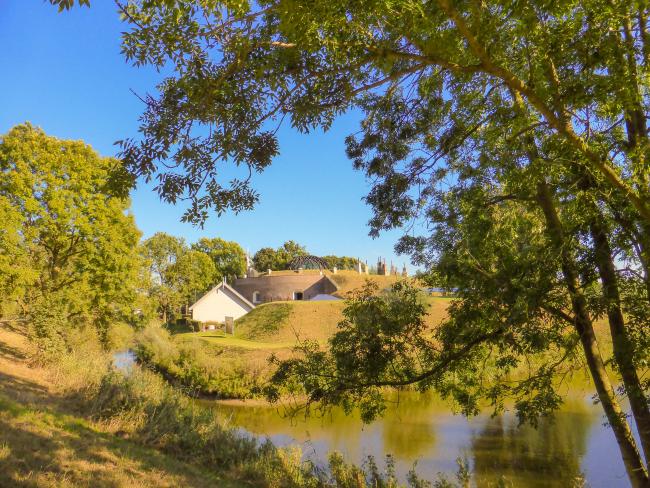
(44, 441)
(223, 340)
(113, 430)
(215, 364)
(44, 448)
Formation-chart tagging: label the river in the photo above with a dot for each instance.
(575, 446)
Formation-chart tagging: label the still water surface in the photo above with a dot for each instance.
(575, 446)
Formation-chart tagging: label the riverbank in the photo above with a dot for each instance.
(77, 421)
(44, 441)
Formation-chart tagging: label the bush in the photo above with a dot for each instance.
(153, 345)
(48, 326)
(119, 336)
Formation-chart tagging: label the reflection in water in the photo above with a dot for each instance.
(408, 432)
(421, 428)
(547, 456)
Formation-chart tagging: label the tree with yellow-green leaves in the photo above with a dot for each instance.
(69, 244)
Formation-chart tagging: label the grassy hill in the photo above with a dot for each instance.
(346, 281)
(233, 366)
(285, 321)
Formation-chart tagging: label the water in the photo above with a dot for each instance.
(575, 446)
(124, 360)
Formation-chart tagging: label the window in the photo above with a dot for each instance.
(297, 295)
(256, 297)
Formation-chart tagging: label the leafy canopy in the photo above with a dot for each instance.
(68, 240)
(239, 69)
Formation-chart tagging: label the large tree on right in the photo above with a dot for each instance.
(515, 131)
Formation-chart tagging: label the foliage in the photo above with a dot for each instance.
(68, 4)
(277, 259)
(197, 368)
(341, 262)
(378, 342)
(191, 275)
(160, 252)
(69, 240)
(266, 62)
(228, 257)
(178, 275)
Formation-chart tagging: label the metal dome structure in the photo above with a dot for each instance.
(308, 262)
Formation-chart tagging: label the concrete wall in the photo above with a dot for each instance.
(282, 287)
(218, 304)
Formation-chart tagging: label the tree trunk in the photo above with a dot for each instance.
(629, 452)
(623, 348)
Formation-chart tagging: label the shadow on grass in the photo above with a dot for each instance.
(43, 448)
(22, 390)
(11, 353)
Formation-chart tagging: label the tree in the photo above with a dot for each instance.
(287, 252)
(70, 244)
(530, 250)
(491, 121)
(309, 63)
(191, 275)
(161, 251)
(277, 259)
(341, 262)
(228, 257)
(265, 259)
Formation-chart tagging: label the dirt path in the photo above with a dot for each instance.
(43, 445)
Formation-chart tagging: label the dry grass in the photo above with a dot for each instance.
(346, 281)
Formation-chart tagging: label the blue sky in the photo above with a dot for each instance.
(64, 73)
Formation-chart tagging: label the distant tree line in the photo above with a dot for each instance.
(280, 258)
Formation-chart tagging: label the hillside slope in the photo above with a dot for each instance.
(284, 322)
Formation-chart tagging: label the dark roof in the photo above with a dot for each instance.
(307, 261)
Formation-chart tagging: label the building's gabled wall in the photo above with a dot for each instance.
(218, 304)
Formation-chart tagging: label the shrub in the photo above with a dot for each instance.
(119, 336)
(153, 345)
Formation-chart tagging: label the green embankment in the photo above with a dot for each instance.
(279, 325)
(46, 440)
(225, 366)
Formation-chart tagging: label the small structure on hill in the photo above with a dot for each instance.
(220, 302)
(307, 262)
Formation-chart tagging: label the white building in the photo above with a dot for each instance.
(220, 302)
